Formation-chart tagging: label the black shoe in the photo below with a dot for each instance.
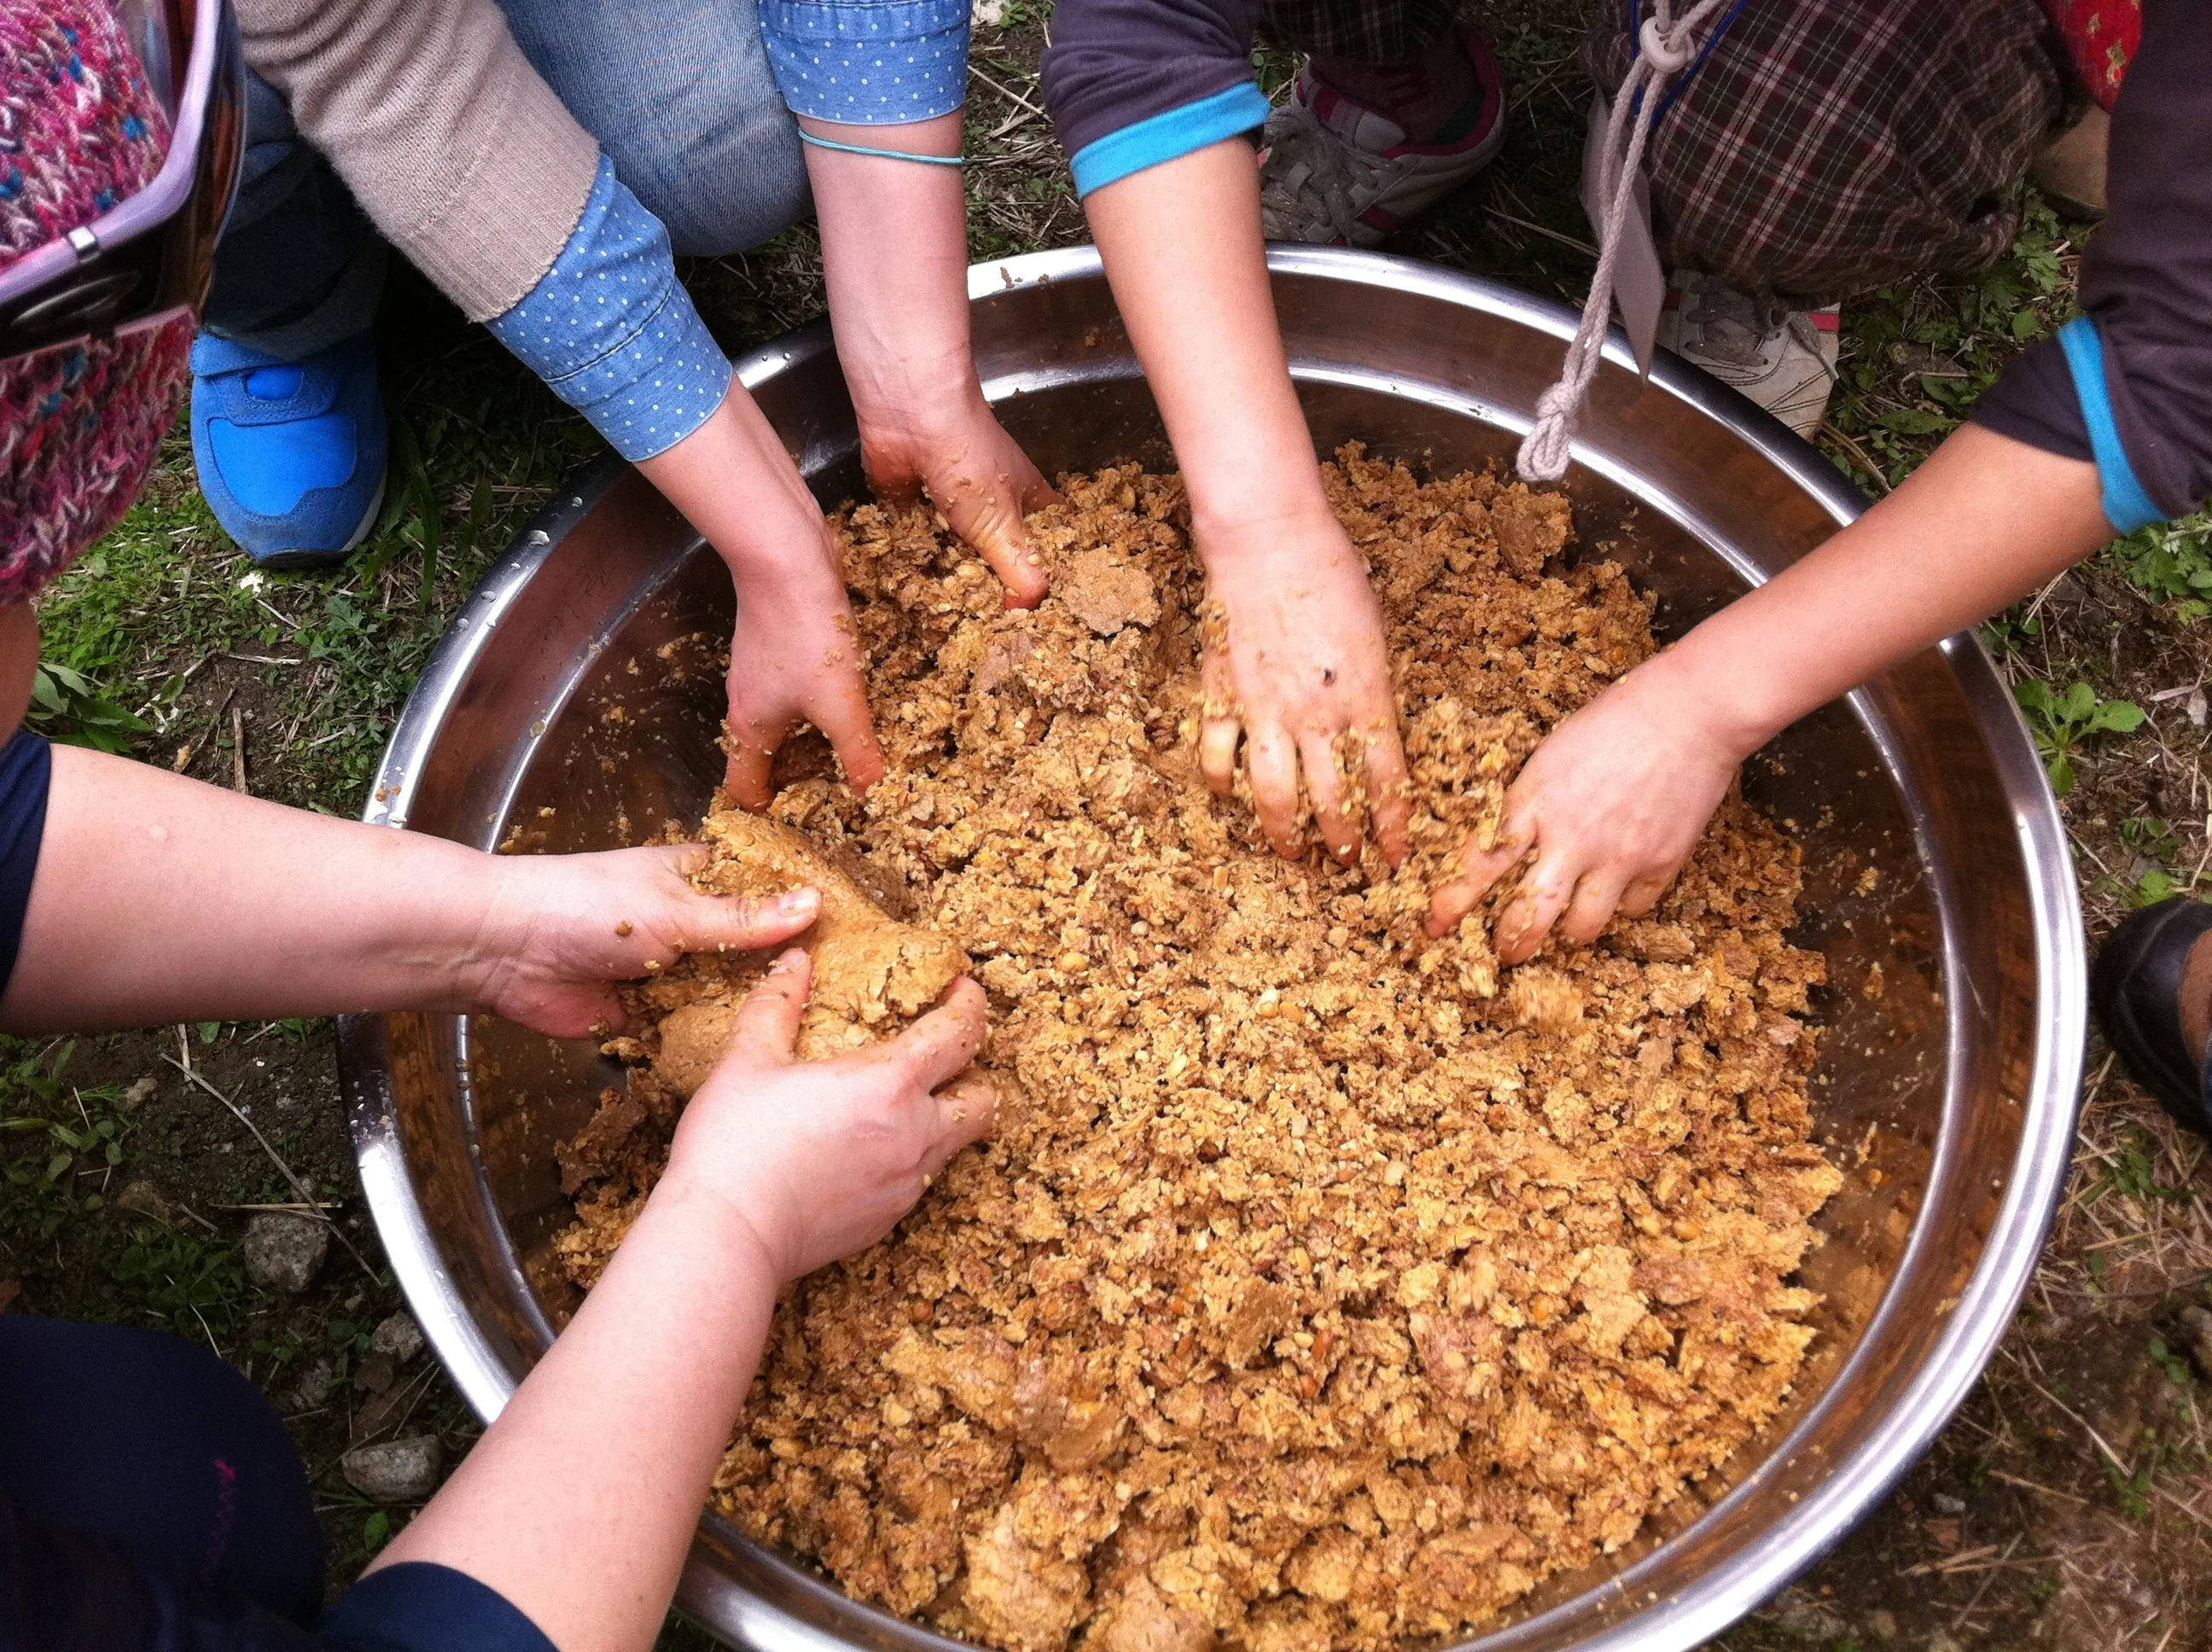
(2136, 988)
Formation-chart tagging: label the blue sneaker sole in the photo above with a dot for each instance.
(279, 561)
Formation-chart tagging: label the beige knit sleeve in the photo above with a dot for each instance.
(459, 152)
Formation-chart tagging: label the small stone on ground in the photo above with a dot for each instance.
(284, 1252)
(314, 1386)
(399, 1337)
(143, 1197)
(398, 1471)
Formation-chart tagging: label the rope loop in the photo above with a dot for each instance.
(1666, 48)
(1667, 53)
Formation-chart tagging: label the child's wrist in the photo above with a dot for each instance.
(775, 557)
(1702, 696)
(1261, 509)
(914, 387)
(705, 1211)
(493, 938)
(1234, 543)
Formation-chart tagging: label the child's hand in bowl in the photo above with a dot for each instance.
(794, 659)
(1295, 668)
(821, 1158)
(1612, 803)
(975, 473)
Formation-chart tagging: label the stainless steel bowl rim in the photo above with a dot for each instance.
(1982, 1308)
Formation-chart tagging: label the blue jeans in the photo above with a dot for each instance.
(679, 93)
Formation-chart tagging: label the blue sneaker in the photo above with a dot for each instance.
(291, 454)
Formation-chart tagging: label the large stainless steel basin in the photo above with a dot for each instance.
(1958, 1081)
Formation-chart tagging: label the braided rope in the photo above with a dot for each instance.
(1667, 45)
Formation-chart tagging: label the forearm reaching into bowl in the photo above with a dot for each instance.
(895, 253)
(895, 243)
(1612, 803)
(793, 659)
(1294, 663)
(161, 899)
(579, 1503)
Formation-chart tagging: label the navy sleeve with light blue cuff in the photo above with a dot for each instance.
(1131, 83)
(610, 329)
(2128, 385)
(870, 63)
(418, 1606)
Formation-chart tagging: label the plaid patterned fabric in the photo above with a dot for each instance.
(1829, 147)
(1371, 30)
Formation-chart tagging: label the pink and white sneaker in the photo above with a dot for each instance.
(1782, 359)
(1333, 170)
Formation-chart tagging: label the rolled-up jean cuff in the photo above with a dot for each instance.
(657, 386)
(612, 333)
(868, 65)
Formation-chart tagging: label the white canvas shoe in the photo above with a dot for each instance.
(1784, 360)
(1332, 170)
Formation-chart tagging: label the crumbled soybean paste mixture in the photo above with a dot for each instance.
(1323, 1286)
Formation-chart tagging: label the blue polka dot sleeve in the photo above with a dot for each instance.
(614, 333)
(873, 63)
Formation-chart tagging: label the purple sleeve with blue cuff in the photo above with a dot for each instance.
(612, 332)
(2128, 386)
(868, 63)
(1131, 83)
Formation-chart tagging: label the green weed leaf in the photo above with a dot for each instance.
(68, 706)
(2116, 717)
(1914, 422)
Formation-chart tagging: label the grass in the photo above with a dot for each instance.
(52, 1142)
(2069, 1505)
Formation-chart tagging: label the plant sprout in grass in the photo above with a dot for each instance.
(2132, 1171)
(68, 706)
(2175, 1365)
(2133, 1490)
(51, 1140)
(182, 1283)
(2061, 722)
(2006, 633)
(2149, 834)
(2155, 885)
(2171, 561)
(2151, 837)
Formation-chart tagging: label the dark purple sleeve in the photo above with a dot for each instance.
(2146, 279)
(1113, 63)
(67, 1591)
(419, 1606)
